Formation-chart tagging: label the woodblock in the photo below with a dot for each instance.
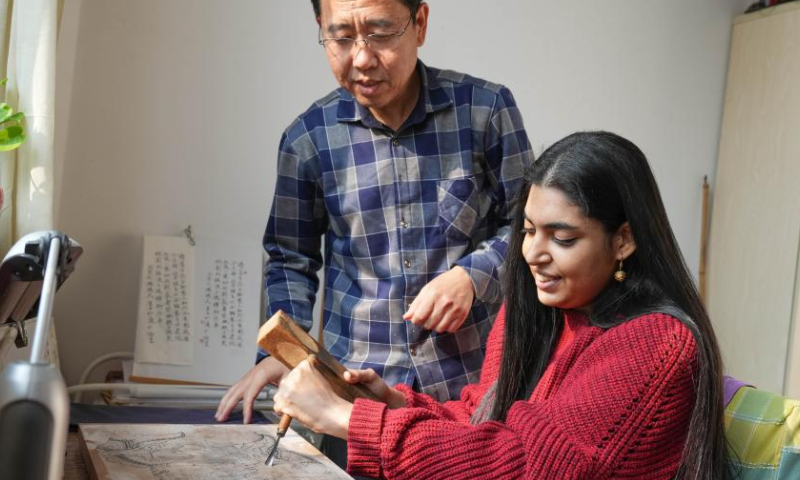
(199, 452)
(290, 344)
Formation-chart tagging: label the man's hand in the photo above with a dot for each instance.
(249, 386)
(444, 303)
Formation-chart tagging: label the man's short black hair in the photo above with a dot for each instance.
(412, 5)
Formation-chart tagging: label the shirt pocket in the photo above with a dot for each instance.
(458, 207)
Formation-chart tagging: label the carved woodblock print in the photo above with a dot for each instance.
(199, 452)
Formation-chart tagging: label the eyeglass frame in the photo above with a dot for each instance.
(321, 40)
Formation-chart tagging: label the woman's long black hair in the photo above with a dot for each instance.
(609, 178)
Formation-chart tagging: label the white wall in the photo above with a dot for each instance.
(170, 112)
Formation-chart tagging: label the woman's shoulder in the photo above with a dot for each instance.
(659, 328)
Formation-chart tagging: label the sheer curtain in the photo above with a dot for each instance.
(28, 33)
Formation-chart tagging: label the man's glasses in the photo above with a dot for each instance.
(342, 47)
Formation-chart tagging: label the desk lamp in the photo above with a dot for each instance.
(34, 406)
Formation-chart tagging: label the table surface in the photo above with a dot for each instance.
(74, 467)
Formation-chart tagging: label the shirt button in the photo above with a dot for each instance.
(407, 263)
(413, 351)
(404, 224)
(396, 142)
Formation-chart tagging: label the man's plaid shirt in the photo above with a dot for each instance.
(396, 210)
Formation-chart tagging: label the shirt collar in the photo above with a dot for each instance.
(433, 97)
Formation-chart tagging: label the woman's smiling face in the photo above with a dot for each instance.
(571, 256)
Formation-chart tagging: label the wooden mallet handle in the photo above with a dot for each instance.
(290, 344)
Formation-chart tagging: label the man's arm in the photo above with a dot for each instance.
(444, 303)
(292, 240)
(508, 153)
(293, 236)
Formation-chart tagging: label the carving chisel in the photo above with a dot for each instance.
(282, 427)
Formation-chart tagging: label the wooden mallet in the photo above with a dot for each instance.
(290, 345)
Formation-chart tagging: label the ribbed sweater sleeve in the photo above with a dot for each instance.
(471, 395)
(615, 403)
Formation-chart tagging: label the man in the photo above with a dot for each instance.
(408, 172)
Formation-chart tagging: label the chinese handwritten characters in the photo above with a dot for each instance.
(167, 299)
(223, 314)
(199, 309)
(165, 327)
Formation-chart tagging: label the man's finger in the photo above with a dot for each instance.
(410, 312)
(247, 410)
(442, 325)
(439, 314)
(222, 413)
(423, 312)
(456, 324)
(225, 407)
(219, 407)
(430, 323)
(445, 319)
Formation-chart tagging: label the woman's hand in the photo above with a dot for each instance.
(306, 396)
(390, 396)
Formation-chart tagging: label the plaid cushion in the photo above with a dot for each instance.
(763, 432)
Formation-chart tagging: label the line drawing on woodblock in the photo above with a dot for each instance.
(200, 452)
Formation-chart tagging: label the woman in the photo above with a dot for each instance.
(603, 363)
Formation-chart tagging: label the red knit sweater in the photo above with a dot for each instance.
(612, 404)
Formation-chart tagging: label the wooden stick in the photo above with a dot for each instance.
(290, 344)
(703, 241)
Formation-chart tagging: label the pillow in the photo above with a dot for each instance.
(763, 433)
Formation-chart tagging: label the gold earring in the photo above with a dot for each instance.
(620, 274)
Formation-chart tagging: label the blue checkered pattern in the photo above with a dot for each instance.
(397, 209)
